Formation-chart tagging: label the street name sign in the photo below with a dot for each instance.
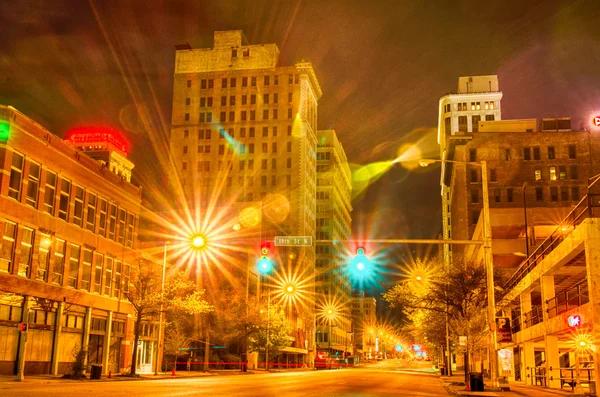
(293, 241)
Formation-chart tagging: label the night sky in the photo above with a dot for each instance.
(382, 65)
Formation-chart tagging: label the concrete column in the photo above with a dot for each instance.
(525, 300)
(57, 333)
(23, 339)
(552, 360)
(106, 348)
(547, 284)
(87, 323)
(528, 360)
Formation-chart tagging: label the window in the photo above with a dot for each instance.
(202, 83)
(208, 134)
(266, 114)
(551, 153)
(289, 130)
(575, 193)
(108, 283)
(33, 185)
(251, 148)
(43, 257)
(462, 123)
(16, 177)
(572, 152)
(232, 100)
(275, 97)
(265, 147)
(266, 99)
(275, 114)
(86, 275)
(253, 81)
(58, 267)
(497, 195)
(251, 132)
(274, 147)
(78, 207)
(288, 180)
(112, 222)
(289, 146)
(187, 116)
(233, 82)
(289, 163)
(265, 132)
(564, 193)
(472, 155)
(539, 193)
(290, 97)
(552, 173)
(224, 83)
(275, 80)
(474, 195)
(273, 164)
(526, 153)
(493, 175)
(253, 99)
(126, 277)
(244, 81)
(131, 223)
(251, 167)
(8, 246)
(475, 122)
(223, 117)
(65, 198)
(263, 164)
(102, 219)
(490, 117)
(121, 229)
(211, 83)
(574, 174)
(74, 265)
(289, 114)
(209, 117)
(263, 180)
(538, 174)
(187, 101)
(209, 101)
(507, 154)
(536, 153)
(273, 180)
(26, 252)
(554, 193)
(252, 115)
(189, 83)
(267, 80)
(223, 100)
(50, 192)
(221, 149)
(98, 274)
(232, 116)
(474, 176)
(275, 131)
(509, 195)
(202, 102)
(562, 172)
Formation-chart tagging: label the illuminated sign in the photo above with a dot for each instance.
(574, 320)
(91, 135)
(4, 130)
(597, 121)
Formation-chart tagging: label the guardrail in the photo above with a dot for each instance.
(584, 209)
(569, 299)
(535, 316)
(567, 377)
(538, 374)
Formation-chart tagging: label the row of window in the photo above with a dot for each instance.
(89, 210)
(240, 148)
(462, 106)
(250, 132)
(245, 81)
(204, 166)
(556, 194)
(463, 122)
(207, 102)
(531, 153)
(554, 173)
(245, 115)
(60, 261)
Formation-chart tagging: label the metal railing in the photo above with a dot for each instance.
(538, 375)
(535, 316)
(516, 324)
(568, 377)
(569, 299)
(584, 209)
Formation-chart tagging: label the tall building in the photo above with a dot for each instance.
(477, 98)
(69, 228)
(244, 130)
(364, 319)
(334, 189)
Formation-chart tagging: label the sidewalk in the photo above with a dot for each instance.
(455, 385)
(148, 376)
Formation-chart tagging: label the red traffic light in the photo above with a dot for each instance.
(22, 327)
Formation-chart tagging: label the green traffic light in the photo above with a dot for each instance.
(265, 265)
(4, 130)
(360, 251)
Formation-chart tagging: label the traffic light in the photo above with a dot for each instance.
(361, 259)
(265, 264)
(22, 327)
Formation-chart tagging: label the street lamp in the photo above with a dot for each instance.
(487, 258)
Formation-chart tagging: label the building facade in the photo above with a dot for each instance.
(68, 230)
(364, 319)
(244, 130)
(334, 189)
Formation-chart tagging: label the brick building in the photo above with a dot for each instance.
(69, 228)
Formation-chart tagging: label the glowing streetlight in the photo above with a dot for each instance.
(198, 241)
(290, 289)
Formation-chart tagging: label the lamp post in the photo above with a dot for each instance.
(487, 259)
(161, 341)
(346, 347)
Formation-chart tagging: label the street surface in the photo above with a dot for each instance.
(386, 378)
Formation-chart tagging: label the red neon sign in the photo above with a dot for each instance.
(91, 135)
(574, 321)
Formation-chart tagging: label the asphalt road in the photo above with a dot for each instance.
(386, 379)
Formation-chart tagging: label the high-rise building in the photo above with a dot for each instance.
(69, 227)
(243, 130)
(334, 189)
(477, 98)
(364, 319)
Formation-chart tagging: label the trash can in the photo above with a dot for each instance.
(96, 372)
(443, 371)
(476, 381)
(244, 367)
